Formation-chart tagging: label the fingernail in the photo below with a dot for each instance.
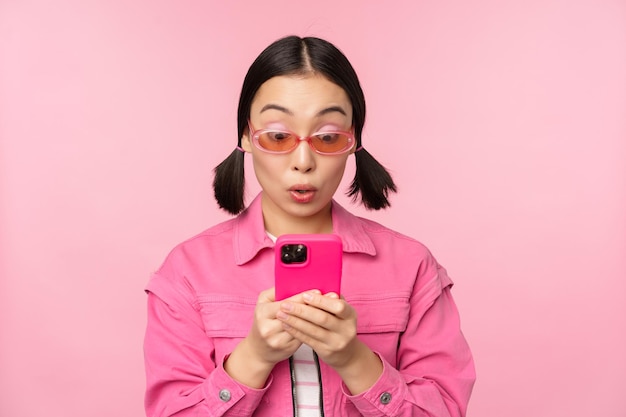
(281, 315)
(307, 296)
(286, 306)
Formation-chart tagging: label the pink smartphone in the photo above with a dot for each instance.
(307, 262)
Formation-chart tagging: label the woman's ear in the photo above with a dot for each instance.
(246, 142)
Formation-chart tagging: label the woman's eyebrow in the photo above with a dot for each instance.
(322, 112)
(332, 109)
(276, 107)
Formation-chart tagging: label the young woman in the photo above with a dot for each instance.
(218, 344)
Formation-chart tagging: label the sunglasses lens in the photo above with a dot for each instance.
(277, 141)
(331, 142)
(284, 142)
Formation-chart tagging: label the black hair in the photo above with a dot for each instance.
(293, 55)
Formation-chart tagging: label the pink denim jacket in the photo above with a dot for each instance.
(201, 303)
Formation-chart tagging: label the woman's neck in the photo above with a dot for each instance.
(279, 222)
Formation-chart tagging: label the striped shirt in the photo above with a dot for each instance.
(307, 383)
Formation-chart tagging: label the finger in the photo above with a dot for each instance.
(288, 303)
(304, 311)
(332, 304)
(281, 340)
(298, 298)
(303, 330)
(267, 296)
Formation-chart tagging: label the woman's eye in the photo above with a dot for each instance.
(328, 137)
(278, 136)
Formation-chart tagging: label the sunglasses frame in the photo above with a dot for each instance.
(255, 134)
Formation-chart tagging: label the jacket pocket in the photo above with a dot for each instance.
(226, 315)
(381, 319)
(381, 313)
(227, 320)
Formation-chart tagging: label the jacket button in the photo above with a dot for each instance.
(225, 395)
(385, 398)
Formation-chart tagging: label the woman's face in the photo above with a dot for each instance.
(298, 186)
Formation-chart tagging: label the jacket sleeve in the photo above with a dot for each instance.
(435, 372)
(182, 376)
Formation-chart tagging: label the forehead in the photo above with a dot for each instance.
(301, 95)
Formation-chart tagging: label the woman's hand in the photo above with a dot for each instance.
(267, 338)
(327, 324)
(266, 344)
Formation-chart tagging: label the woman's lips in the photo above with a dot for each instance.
(302, 193)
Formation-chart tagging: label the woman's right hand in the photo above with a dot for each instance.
(267, 337)
(266, 344)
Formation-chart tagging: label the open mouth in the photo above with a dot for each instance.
(302, 194)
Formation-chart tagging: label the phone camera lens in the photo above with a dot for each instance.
(293, 253)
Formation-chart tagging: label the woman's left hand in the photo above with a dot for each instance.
(327, 323)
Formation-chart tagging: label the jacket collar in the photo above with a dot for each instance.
(250, 236)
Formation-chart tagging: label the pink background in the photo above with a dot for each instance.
(503, 123)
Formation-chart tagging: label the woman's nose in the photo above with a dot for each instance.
(303, 157)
